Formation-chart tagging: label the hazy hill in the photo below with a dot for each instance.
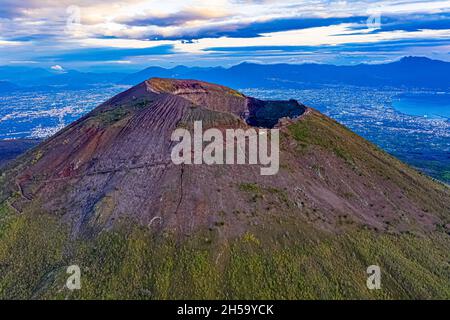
(6, 86)
(409, 72)
(42, 79)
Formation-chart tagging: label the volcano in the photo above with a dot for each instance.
(104, 194)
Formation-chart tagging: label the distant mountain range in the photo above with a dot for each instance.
(408, 72)
(41, 79)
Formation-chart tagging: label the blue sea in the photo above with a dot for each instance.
(428, 105)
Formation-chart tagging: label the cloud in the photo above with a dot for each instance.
(127, 30)
(10, 43)
(172, 19)
(415, 22)
(108, 54)
(319, 36)
(57, 67)
(243, 29)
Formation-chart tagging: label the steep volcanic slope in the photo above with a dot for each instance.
(338, 203)
(115, 162)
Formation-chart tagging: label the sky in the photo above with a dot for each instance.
(133, 34)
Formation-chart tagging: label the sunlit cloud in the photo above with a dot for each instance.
(57, 67)
(10, 43)
(129, 30)
(333, 35)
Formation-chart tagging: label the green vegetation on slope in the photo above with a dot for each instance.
(316, 131)
(282, 257)
(295, 261)
(31, 250)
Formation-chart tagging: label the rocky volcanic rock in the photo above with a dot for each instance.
(114, 165)
(103, 194)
